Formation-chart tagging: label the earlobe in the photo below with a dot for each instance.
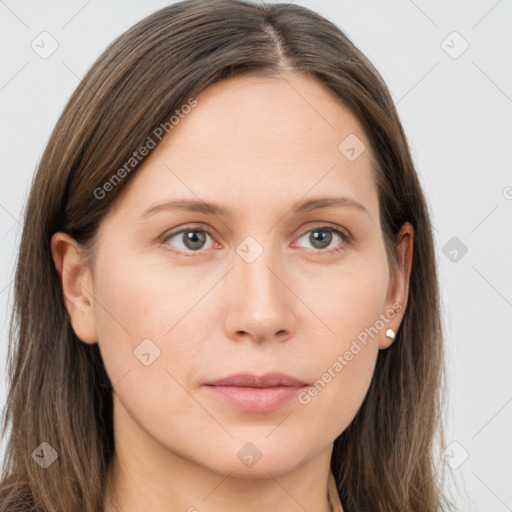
(398, 292)
(76, 285)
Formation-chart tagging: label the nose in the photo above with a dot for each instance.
(261, 304)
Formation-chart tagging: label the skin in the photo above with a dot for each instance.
(258, 146)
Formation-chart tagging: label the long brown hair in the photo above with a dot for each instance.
(59, 392)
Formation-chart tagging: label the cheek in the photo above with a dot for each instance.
(339, 389)
(153, 318)
(350, 301)
(139, 309)
(350, 297)
(147, 319)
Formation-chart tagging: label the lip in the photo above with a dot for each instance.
(253, 393)
(268, 380)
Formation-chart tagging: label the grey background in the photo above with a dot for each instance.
(457, 113)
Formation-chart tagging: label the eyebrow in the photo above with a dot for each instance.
(209, 208)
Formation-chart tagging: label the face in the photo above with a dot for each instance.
(275, 280)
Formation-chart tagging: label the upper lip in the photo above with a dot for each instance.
(267, 380)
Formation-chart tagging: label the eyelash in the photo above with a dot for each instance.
(326, 227)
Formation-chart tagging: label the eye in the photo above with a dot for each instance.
(322, 236)
(192, 240)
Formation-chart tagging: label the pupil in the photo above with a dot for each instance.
(324, 240)
(194, 239)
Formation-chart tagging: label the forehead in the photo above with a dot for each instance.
(281, 118)
(259, 139)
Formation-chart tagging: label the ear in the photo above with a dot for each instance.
(398, 290)
(76, 284)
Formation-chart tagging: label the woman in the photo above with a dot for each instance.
(217, 305)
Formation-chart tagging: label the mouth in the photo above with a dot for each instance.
(252, 393)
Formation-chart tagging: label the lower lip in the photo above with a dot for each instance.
(256, 399)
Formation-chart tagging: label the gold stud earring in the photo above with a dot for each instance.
(390, 334)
